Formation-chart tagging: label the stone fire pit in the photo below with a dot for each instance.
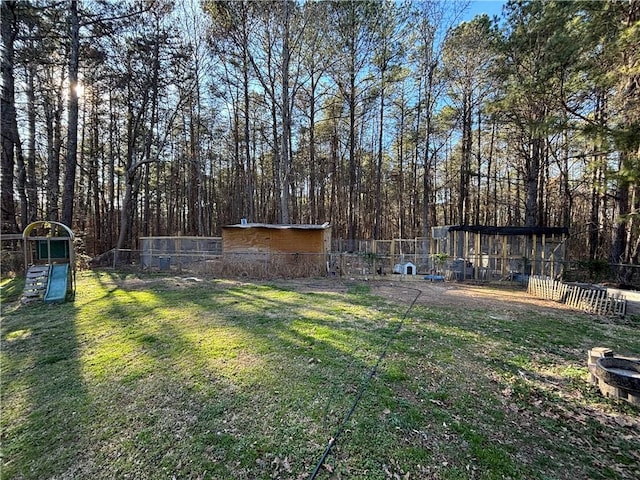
(615, 376)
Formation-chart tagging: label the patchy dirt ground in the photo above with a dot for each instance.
(495, 297)
(504, 297)
(446, 294)
(465, 295)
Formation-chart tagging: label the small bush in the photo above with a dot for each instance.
(597, 269)
(12, 263)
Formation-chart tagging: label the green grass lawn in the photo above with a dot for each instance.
(154, 377)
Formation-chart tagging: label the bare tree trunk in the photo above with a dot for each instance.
(157, 227)
(619, 246)
(401, 180)
(543, 179)
(21, 170)
(428, 208)
(511, 208)
(53, 120)
(353, 200)
(566, 197)
(251, 206)
(126, 213)
(111, 175)
(479, 172)
(31, 182)
(532, 174)
(313, 201)
(9, 128)
(285, 169)
(96, 157)
(146, 201)
(488, 218)
(68, 191)
(377, 177)
(277, 164)
(465, 167)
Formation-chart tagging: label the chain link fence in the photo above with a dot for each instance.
(348, 258)
(360, 264)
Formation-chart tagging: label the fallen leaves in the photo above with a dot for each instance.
(394, 472)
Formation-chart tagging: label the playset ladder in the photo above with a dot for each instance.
(36, 283)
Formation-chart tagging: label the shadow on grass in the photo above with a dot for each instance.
(218, 380)
(46, 405)
(513, 391)
(227, 380)
(11, 290)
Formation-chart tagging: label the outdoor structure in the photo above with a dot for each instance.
(380, 257)
(406, 268)
(290, 250)
(486, 253)
(49, 262)
(589, 298)
(257, 250)
(262, 238)
(180, 252)
(615, 376)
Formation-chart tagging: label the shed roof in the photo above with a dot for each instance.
(492, 230)
(324, 226)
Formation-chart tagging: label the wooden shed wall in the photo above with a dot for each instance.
(274, 240)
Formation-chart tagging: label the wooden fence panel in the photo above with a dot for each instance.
(587, 298)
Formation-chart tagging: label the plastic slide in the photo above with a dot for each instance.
(57, 285)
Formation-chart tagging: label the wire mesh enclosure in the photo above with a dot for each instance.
(504, 253)
(163, 253)
(251, 250)
(456, 253)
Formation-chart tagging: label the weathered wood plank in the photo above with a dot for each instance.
(588, 299)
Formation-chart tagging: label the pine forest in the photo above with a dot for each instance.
(125, 119)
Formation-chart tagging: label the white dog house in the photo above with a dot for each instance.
(407, 268)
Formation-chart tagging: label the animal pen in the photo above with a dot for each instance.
(453, 252)
(255, 250)
(381, 257)
(165, 253)
(481, 253)
(501, 253)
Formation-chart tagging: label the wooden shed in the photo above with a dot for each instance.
(296, 248)
(272, 238)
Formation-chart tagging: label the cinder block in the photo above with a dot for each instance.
(592, 357)
(612, 392)
(599, 352)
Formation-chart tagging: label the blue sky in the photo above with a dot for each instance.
(478, 7)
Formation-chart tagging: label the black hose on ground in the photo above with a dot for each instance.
(365, 384)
